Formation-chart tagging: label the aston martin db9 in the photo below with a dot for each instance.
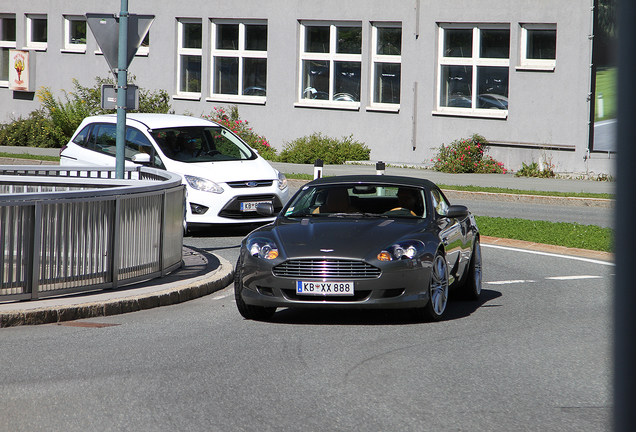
(368, 241)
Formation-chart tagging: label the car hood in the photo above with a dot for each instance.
(341, 237)
(226, 171)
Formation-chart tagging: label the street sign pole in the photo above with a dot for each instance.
(122, 81)
(119, 37)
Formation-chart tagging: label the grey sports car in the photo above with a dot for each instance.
(369, 241)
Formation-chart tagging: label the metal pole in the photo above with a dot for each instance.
(624, 293)
(122, 80)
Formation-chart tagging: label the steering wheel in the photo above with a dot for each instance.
(401, 209)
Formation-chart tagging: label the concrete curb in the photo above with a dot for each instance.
(530, 199)
(214, 281)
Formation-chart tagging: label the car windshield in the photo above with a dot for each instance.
(359, 200)
(201, 144)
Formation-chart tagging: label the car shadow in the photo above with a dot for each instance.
(223, 231)
(300, 316)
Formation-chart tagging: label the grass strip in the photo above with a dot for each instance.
(30, 156)
(565, 234)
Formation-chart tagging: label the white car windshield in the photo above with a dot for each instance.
(202, 144)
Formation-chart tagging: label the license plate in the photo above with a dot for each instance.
(324, 288)
(248, 206)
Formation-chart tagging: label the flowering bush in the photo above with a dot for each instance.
(231, 120)
(467, 156)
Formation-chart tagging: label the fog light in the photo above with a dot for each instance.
(198, 209)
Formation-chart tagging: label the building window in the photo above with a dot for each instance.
(330, 64)
(190, 53)
(538, 46)
(239, 60)
(36, 32)
(386, 64)
(74, 33)
(7, 42)
(473, 69)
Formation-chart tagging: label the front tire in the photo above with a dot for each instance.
(437, 291)
(258, 313)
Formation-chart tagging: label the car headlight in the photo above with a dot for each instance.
(262, 248)
(406, 250)
(204, 185)
(282, 181)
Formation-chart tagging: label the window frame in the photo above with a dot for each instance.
(192, 52)
(241, 53)
(30, 44)
(474, 62)
(331, 57)
(383, 59)
(535, 64)
(7, 44)
(68, 46)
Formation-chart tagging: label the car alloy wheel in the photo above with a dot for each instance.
(437, 291)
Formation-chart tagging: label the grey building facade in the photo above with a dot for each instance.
(403, 77)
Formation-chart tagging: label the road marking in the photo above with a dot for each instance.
(574, 277)
(507, 282)
(222, 295)
(607, 263)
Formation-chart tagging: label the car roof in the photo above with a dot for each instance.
(374, 179)
(154, 120)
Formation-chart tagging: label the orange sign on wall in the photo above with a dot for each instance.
(21, 70)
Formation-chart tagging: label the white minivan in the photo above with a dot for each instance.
(224, 177)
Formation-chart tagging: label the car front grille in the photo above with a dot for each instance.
(250, 184)
(326, 269)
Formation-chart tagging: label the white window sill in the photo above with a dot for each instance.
(74, 50)
(542, 68)
(384, 108)
(254, 100)
(193, 97)
(34, 48)
(478, 113)
(349, 106)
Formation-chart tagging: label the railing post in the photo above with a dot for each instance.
(116, 244)
(36, 245)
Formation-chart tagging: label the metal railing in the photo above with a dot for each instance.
(64, 231)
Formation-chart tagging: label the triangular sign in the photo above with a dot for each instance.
(105, 28)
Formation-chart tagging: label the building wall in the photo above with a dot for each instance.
(547, 117)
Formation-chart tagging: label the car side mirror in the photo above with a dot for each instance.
(457, 211)
(265, 209)
(141, 158)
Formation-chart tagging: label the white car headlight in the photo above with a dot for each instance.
(282, 181)
(402, 251)
(204, 185)
(262, 248)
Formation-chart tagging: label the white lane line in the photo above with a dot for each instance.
(607, 263)
(508, 282)
(574, 277)
(222, 295)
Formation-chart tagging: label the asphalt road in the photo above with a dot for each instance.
(533, 355)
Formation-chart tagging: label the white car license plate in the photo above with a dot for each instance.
(251, 205)
(324, 288)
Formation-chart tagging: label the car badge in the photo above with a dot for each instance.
(251, 184)
(326, 250)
